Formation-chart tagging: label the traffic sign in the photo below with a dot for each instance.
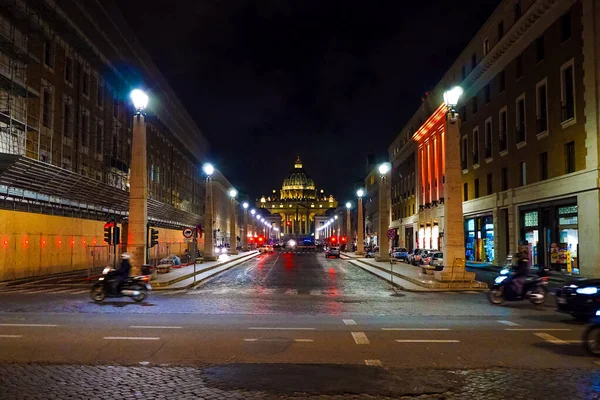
(188, 233)
(391, 233)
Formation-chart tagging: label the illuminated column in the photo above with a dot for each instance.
(436, 169)
(443, 163)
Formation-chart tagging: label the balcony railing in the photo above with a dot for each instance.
(567, 112)
(488, 151)
(463, 163)
(542, 123)
(503, 142)
(475, 157)
(520, 133)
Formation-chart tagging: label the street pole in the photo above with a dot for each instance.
(383, 214)
(245, 230)
(138, 186)
(360, 230)
(233, 234)
(208, 216)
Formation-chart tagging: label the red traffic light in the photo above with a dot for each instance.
(288, 223)
(332, 239)
(260, 239)
(343, 239)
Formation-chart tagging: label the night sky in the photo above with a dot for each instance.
(331, 81)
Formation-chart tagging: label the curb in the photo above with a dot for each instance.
(163, 286)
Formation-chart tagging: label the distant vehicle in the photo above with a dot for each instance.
(333, 252)
(580, 298)
(400, 253)
(437, 260)
(266, 248)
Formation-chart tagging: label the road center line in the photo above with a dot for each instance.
(550, 338)
(130, 338)
(31, 325)
(360, 338)
(349, 322)
(426, 341)
(278, 340)
(509, 323)
(415, 329)
(154, 327)
(261, 328)
(11, 336)
(373, 363)
(538, 329)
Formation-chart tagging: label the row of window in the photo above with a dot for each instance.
(521, 129)
(543, 171)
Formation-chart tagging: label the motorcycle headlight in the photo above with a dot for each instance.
(587, 290)
(106, 270)
(598, 313)
(504, 271)
(500, 279)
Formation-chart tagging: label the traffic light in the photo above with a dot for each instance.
(153, 237)
(116, 235)
(343, 239)
(261, 239)
(332, 239)
(108, 232)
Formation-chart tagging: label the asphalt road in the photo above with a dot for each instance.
(252, 331)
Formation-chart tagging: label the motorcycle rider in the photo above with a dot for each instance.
(119, 275)
(520, 272)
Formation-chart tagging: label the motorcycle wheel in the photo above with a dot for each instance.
(543, 291)
(97, 293)
(496, 296)
(140, 297)
(591, 340)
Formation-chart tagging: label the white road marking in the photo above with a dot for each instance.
(154, 327)
(291, 292)
(278, 340)
(144, 362)
(130, 338)
(550, 339)
(538, 329)
(264, 328)
(373, 363)
(11, 336)
(349, 321)
(360, 338)
(426, 341)
(415, 329)
(32, 325)
(509, 323)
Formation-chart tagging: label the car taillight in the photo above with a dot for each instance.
(146, 278)
(545, 279)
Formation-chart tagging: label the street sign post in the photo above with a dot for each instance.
(391, 233)
(188, 233)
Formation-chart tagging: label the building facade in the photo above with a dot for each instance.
(529, 139)
(66, 70)
(298, 202)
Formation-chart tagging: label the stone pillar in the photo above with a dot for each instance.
(208, 223)
(360, 230)
(384, 223)
(588, 204)
(454, 228)
(306, 225)
(232, 228)
(138, 197)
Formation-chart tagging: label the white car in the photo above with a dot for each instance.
(437, 259)
(332, 252)
(266, 248)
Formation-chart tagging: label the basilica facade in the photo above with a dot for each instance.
(297, 203)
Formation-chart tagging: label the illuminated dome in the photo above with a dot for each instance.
(298, 186)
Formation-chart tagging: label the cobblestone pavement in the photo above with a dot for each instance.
(35, 381)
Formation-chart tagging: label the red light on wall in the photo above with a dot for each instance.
(5, 242)
(26, 242)
(43, 242)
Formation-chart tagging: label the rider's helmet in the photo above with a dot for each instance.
(125, 256)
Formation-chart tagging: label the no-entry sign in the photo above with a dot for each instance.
(188, 233)
(391, 233)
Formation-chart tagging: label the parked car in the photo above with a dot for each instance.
(411, 256)
(580, 298)
(266, 248)
(400, 253)
(332, 252)
(437, 260)
(426, 255)
(418, 255)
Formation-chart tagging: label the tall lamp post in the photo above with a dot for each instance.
(245, 230)
(137, 228)
(208, 214)
(253, 213)
(453, 245)
(232, 234)
(384, 222)
(360, 230)
(348, 224)
(336, 232)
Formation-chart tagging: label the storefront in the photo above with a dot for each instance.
(479, 238)
(550, 234)
(429, 236)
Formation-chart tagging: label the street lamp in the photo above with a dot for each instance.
(138, 185)
(360, 230)
(245, 205)
(348, 224)
(453, 245)
(232, 231)
(209, 254)
(384, 223)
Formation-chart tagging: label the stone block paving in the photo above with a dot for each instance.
(35, 381)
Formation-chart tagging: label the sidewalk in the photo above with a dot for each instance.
(182, 278)
(410, 278)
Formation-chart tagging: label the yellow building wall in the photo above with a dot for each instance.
(36, 244)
